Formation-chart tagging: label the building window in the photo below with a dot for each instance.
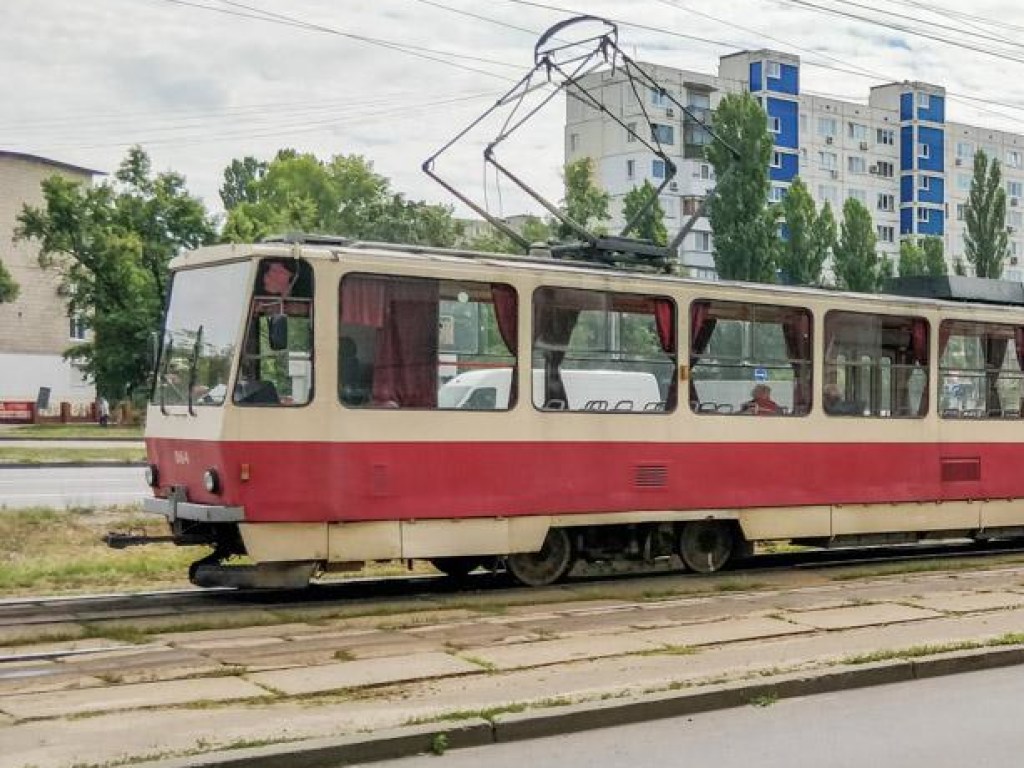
(630, 169)
(827, 160)
(1014, 188)
(856, 164)
(875, 365)
(773, 69)
(775, 125)
(630, 133)
(777, 194)
(828, 193)
(923, 151)
(1015, 219)
(662, 134)
(885, 233)
(885, 169)
(658, 169)
(1013, 158)
(924, 101)
(603, 352)
(77, 327)
(925, 183)
(964, 150)
(922, 215)
(963, 181)
(776, 160)
(886, 202)
(410, 342)
(574, 142)
(859, 195)
(751, 359)
(659, 98)
(980, 373)
(705, 171)
(691, 205)
(702, 241)
(885, 136)
(857, 131)
(827, 126)
(961, 211)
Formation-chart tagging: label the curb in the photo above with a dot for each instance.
(412, 740)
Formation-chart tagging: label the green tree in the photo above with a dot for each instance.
(934, 257)
(810, 236)
(342, 196)
(745, 229)
(111, 244)
(986, 243)
(855, 262)
(534, 230)
(584, 201)
(241, 182)
(922, 258)
(8, 287)
(650, 226)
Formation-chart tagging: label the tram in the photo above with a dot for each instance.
(305, 414)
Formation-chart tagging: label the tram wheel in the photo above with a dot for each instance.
(706, 545)
(456, 567)
(551, 564)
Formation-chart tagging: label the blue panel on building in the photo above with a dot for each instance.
(788, 113)
(934, 225)
(907, 221)
(788, 171)
(755, 76)
(935, 192)
(788, 80)
(907, 148)
(906, 106)
(907, 188)
(935, 141)
(935, 112)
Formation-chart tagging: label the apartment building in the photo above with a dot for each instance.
(35, 329)
(896, 153)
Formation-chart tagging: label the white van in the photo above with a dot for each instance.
(584, 390)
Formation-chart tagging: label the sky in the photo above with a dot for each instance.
(198, 83)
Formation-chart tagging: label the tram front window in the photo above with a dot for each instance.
(276, 366)
(199, 335)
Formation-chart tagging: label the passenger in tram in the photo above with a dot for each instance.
(761, 403)
(834, 404)
(353, 381)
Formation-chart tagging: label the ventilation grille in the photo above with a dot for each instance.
(650, 476)
(961, 470)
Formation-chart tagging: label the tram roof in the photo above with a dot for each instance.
(951, 292)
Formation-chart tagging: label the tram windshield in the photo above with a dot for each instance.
(200, 334)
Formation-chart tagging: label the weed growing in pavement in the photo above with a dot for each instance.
(917, 651)
(487, 666)
(765, 700)
(490, 713)
(926, 566)
(344, 655)
(671, 650)
(438, 744)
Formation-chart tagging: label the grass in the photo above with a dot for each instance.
(18, 455)
(924, 566)
(917, 651)
(46, 551)
(70, 431)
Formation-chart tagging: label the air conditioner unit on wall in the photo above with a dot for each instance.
(669, 112)
(674, 186)
(828, 139)
(864, 146)
(1013, 201)
(958, 161)
(873, 169)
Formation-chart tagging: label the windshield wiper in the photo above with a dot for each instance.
(162, 382)
(192, 366)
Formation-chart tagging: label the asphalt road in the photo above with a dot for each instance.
(71, 486)
(947, 722)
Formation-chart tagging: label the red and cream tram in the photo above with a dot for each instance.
(323, 403)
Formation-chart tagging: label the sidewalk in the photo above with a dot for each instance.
(337, 689)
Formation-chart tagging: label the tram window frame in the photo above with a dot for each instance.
(705, 314)
(984, 379)
(555, 312)
(868, 384)
(372, 328)
(301, 290)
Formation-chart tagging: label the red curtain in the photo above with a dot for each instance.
(664, 320)
(506, 313)
(995, 354)
(1018, 343)
(702, 325)
(919, 351)
(364, 300)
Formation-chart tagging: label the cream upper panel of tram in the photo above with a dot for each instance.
(326, 419)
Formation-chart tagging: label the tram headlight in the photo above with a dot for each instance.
(152, 475)
(211, 481)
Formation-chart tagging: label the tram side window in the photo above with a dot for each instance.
(875, 365)
(750, 359)
(600, 351)
(980, 370)
(406, 342)
(276, 367)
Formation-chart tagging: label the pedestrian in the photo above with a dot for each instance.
(104, 412)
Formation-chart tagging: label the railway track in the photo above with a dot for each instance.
(378, 592)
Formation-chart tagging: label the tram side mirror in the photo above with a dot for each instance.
(277, 332)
